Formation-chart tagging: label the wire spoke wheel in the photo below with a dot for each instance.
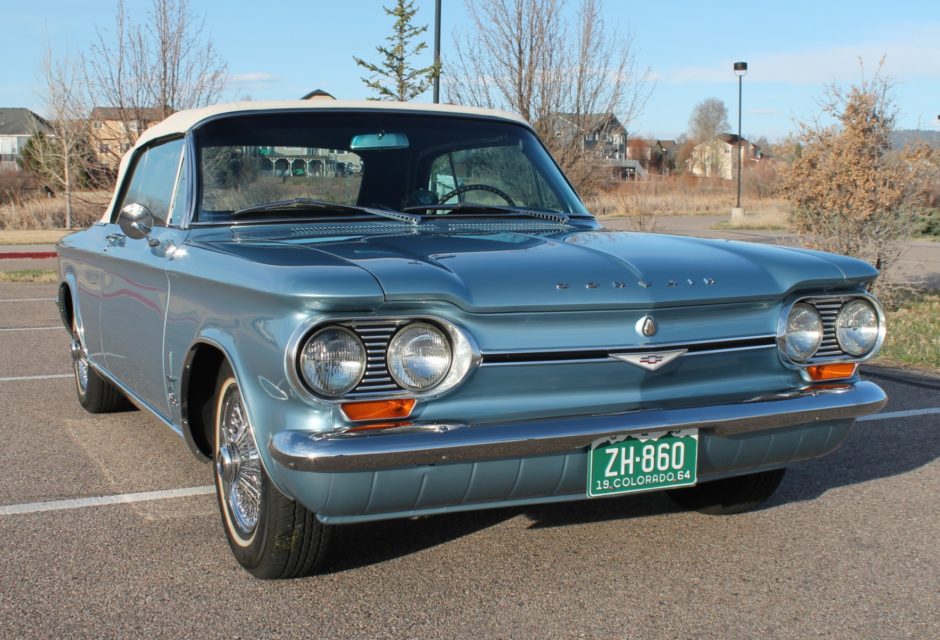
(79, 363)
(271, 535)
(238, 465)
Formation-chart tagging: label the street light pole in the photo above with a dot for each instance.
(437, 51)
(740, 70)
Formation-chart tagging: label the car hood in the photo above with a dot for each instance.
(485, 270)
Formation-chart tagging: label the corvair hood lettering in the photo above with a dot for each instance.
(488, 271)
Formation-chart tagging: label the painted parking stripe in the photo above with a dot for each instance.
(32, 328)
(45, 377)
(27, 299)
(121, 498)
(890, 415)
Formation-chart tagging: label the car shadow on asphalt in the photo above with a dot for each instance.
(361, 545)
(872, 451)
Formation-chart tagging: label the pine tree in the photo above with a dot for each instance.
(394, 78)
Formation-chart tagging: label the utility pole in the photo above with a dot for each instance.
(437, 51)
(740, 69)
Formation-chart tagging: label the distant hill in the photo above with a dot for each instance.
(908, 136)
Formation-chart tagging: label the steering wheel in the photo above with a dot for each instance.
(477, 187)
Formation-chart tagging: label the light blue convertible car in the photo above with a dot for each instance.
(361, 311)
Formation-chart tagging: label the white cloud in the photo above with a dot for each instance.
(251, 79)
(913, 57)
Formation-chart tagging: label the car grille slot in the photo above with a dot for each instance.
(375, 335)
(828, 309)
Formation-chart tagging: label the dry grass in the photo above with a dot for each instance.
(683, 195)
(770, 219)
(913, 337)
(49, 213)
(30, 275)
(31, 236)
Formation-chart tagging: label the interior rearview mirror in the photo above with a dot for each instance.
(382, 140)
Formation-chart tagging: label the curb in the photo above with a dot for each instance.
(25, 255)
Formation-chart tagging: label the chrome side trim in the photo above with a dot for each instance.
(136, 401)
(445, 444)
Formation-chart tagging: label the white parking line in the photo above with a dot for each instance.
(27, 300)
(46, 377)
(121, 498)
(900, 414)
(60, 327)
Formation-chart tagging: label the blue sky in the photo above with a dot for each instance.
(284, 49)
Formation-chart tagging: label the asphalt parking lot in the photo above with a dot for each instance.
(847, 548)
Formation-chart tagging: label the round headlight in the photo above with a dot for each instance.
(857, 327)
(804, 332)
(333, 361)
(419, 356)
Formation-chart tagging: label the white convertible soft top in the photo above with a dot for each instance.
(182, 121)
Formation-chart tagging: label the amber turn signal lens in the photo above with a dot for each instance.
(379, 409)
(835, 371)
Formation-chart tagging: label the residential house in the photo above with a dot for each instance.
(714, 158)
(16, 127)
(603, 134)
(115, 130)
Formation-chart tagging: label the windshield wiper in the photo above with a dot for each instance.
(469, 207)
(307, 204)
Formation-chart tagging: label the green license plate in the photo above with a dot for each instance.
(643, 462)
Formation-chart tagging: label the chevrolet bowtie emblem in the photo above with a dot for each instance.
(651, 361)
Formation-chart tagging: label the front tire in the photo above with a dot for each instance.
(730, 495)
(270, 535)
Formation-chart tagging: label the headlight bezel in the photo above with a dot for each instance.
(879, 329)
(787, 339)
(397, 336)
(313, 336)
(829, 331)
(466, 356)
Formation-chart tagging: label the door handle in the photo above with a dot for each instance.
(115, 239)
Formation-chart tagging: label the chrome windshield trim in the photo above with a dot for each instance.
(452, 443)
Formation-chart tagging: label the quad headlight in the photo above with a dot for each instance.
(333, 361)
(375, 357)
(804, 332)
(857, 327)
(419, 356)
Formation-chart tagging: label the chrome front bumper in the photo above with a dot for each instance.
(425, 444)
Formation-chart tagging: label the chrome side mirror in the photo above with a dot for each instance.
(136, 221)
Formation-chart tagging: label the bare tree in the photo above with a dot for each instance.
(394, 78)
(709, 118)
(148, 70)
(521, 56)
(60, 157)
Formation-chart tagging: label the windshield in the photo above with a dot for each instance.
(380, 160)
